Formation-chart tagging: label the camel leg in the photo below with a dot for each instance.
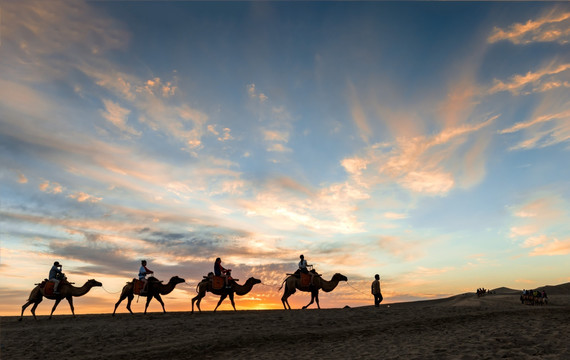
(157, 297)
(221, 299)
(232, 300)
(197, 299)
(54, 306)
(35, 302)
(123, 297)
(24, 308)
(284, 299)
(312, 300)
(130, 298)
(148, 299)
(33, 310)
(317, 299)
(70, 301)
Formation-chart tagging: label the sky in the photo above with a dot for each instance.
(426, 142)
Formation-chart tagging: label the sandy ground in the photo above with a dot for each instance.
(460, 327)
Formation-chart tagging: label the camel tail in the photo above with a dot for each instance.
(283, 283)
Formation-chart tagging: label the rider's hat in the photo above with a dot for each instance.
(56, 263)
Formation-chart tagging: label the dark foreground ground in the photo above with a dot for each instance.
(461, 327)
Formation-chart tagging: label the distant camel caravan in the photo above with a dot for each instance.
(154, 290)
(66, 291)
(233, 288)
(303, 283)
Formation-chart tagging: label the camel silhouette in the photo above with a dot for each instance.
(66, 291)
(235, 288)
(292, 283)
(154, 290)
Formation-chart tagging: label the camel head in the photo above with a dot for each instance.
(339, 277)
(93, 283)
(176, 280)
(253, 281)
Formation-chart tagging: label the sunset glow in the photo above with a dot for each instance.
(426, 142)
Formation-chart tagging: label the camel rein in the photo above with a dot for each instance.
(347, 283)
(108, 292)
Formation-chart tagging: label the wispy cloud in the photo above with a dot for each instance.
(542, 80)
(418, 164)
(118, 116)
(542, 131)
(81, 197)
(553, 27)
(537, 225)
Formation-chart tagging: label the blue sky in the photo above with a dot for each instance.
(427, 142)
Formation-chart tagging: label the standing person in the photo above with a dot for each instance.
(143, 271)
(376, 291)
(54, 274)
(220, 271)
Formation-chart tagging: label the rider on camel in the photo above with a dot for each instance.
(220, 271)
(54, 275)
(303, 268)
(143, 271)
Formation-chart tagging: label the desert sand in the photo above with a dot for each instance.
(460, 327)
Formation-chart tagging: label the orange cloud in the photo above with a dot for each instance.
(553, 27)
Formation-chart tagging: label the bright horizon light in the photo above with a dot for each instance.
(426, 142)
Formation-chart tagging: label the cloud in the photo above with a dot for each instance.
(540, 223)
(552, 248)
(402, 248)
(22, 179)
(52, 188)
(118, 116)
(358, 115)
(287, 205)
(82, 197)
(542, 80)
(420, 163)
(553, 27)
(252, 92)
(395, 216)
(433, 182)
(542, 131)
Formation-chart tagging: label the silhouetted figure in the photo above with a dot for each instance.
(376, 291)
(220, 271)
(55, 275)
(143, 272)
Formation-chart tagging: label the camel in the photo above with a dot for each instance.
(155, 289)
(206, 285)
(66, 291)
(292, 283)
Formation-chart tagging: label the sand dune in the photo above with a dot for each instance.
(460, 327)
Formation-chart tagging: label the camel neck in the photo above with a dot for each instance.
(243, 289)
(328, 286)
(166, 289)
(80, 291)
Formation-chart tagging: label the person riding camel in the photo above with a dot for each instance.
(55, 275)
(303, 268)
(143, 271)
(220, 271)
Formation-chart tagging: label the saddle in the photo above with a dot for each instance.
(49, 285)
(218, 282)
(138, 285)
(305, 280)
